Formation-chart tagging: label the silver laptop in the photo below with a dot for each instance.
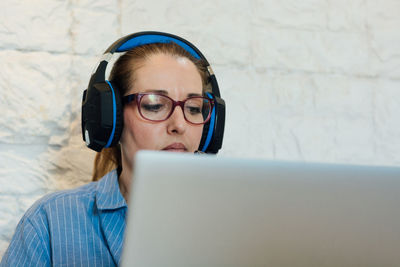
(197, 210)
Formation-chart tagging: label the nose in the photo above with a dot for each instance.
(177, 122)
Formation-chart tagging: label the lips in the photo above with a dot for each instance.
(175, 147)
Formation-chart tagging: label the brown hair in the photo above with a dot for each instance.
(122, 76)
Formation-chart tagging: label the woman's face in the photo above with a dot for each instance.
(177, 78)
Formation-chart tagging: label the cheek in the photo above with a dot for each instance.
(195, 134)
(137, 134)
(127, 141)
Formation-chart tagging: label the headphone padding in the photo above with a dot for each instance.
(119, 120)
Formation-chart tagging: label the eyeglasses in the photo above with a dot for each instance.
(157, 107)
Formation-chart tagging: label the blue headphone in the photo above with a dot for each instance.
(102, 120)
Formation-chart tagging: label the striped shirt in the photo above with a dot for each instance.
(80, 227)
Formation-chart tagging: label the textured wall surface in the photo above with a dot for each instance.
(311, 80)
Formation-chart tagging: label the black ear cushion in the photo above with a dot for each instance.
(219, 127)
(101, 116)
(204, 135)
(119, 122)
(215, 128)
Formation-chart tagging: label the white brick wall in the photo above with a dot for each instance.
(311, 80)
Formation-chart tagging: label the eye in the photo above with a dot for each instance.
(152, 107)
(194, 110)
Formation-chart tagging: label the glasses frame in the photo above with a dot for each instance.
(139, 96)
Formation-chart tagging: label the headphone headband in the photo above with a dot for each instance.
(137, 39)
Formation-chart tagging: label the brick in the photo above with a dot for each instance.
(290, 14)
(21, 173)
(35, 25)
(94, 27)
(223, 37)
(247, 114)
(327, 52)
(347, 16)
(383, 29)
(386, 121)
(35, 96)
(330, 121)
(71, 165)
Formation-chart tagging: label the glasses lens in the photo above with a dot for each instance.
(197, 110)
(155, 107)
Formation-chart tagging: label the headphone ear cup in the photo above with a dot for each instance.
(219, 126)
(213, 130)
(102, 120)
(204, 135)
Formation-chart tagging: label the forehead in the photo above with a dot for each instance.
(178, 76)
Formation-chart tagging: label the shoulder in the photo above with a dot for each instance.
(73, 202)
(31, 240)
(79, 202)
(56, 220)
(83, 195)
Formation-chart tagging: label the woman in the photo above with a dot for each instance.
(85, 226)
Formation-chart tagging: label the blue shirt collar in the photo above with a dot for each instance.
(108, 196)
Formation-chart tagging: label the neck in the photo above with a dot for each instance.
(124, 185)
(125, 179)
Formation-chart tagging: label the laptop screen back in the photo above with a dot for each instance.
(197, 210)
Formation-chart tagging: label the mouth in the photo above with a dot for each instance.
(175, 147)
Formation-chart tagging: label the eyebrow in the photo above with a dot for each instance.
(194, 94)
(164, 92)
(158, 91)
